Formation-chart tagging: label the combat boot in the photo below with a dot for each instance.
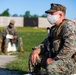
(5, 51)
(21, 50)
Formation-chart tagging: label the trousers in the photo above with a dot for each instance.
(17, 41)
(58, 67)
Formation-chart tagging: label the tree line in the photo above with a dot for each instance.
(26, 14)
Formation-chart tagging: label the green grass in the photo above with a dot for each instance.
(31, 37)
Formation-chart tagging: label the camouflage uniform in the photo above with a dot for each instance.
(62, 48)
(0, 41)
(11, 31)
(64, 44)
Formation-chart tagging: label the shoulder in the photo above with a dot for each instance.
(69, 25)
(5, 28)
(15, 29)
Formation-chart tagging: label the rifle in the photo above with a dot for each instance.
(48, 42)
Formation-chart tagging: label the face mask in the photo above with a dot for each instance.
(11, 25)
(53, 18)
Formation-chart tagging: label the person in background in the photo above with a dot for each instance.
(11, 30)
(0, 43)
(59, 59)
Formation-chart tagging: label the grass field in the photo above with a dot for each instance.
(31, 37)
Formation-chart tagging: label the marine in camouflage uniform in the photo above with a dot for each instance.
(10, 29)
(62, 40)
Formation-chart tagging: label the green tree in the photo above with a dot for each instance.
(15, 15)
(27, 14)
(5, 13)
(44, 15)
(34, 16)
(20, 15)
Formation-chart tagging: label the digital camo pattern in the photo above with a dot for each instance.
(56, 7)
(11, 31)
(62, 47)
(69, 37)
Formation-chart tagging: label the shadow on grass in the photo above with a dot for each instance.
(5, 71)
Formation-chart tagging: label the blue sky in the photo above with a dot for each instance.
(36, 6)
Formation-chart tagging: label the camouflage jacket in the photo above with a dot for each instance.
(62, 40)
(11, 31)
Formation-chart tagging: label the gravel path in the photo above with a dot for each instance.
(4, 59)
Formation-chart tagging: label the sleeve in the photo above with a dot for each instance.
(69, 37)
(4, 32)
(15, 33)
